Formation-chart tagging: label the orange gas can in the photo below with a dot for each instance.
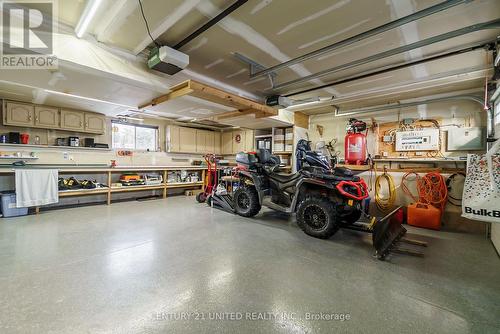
(424, 215)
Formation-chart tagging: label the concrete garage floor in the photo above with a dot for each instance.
(156, 266)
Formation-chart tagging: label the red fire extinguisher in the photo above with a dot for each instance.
(355, 142)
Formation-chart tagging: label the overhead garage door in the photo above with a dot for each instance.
(495, 228)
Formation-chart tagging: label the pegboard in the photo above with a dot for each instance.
(390, 148)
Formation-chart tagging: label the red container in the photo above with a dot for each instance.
(25, 138)
(355, 148)
(424, 215)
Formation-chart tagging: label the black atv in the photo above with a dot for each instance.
(323, 200)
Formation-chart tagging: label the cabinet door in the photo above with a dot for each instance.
(209, 141)
(187, 140)
(217, 143)
(95, 123)
(72, 120)
(201, 141)
(173, 143)
(46, 117)
(239, 139)
(19, 114)
(227, 142)
(249, 140)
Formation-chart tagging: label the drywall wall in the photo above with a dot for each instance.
(464, 113)
(81, 156)
(458, 112)
(66, 155)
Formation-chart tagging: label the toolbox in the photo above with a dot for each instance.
(153, 179)
(131, 179)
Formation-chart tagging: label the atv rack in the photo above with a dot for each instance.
(386, 235)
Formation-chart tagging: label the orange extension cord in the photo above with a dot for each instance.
(431, 189)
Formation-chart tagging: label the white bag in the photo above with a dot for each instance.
(481, 196)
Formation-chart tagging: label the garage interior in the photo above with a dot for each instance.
(218, 166)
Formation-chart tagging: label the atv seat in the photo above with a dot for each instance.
(338, 174)
(343, 172)
(266, 158)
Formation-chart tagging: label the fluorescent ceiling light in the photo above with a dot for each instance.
(87, 16)
(86, 98)
(130, 118)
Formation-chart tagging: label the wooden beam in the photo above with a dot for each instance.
(175, 92)
(262, 114)
(301, 120)
(219, 96)
(212, 94)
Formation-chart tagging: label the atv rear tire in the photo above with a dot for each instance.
(246, 201)
(201, 197)
(316, 216)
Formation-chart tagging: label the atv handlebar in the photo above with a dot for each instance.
(360, 187)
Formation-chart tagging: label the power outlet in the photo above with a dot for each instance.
(387, 139)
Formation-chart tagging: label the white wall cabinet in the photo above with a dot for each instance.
(19, 114)
(39, 116)
(237, 141)
(249, 140)
(72, 120)
(217, 143)
(201, 146)
(46, 117)
(187, 140)
(209, 142)
(173, 139)
(227, 143)
(95, 123)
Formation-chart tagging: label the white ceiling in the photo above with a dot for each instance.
(261, 31)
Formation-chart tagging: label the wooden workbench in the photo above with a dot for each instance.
(108, 191)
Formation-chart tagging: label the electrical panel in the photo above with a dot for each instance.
(466, 139)
(417, 140)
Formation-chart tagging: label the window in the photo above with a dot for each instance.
(134, 137)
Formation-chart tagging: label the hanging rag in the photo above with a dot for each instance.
(35, 187)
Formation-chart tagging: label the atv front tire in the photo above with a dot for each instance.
(351, 217)
(316, 216)
(246, 201)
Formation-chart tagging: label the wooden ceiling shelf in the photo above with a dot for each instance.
(205, 92)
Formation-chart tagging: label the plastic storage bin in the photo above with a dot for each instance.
(9, 208)
(424, 215)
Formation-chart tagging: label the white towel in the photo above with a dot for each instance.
(35, 187)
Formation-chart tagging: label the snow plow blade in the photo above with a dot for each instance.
(386, 233)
